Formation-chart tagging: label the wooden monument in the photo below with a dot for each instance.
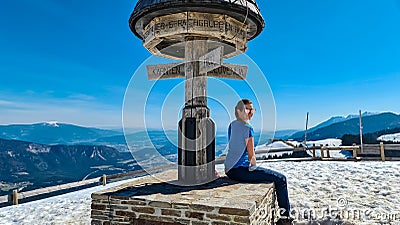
(199, 33)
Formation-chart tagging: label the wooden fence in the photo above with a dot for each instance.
(313, 148)
(16, 196)
(327, 149)
(369, 151)
(379, 152)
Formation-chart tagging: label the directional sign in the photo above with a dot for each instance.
(165, 71)
(231, 71)
(211, 60)
(177, 70)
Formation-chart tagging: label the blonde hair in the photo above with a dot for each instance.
(240, 106)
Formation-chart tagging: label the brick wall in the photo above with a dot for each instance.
(121, 210)
(235, 204)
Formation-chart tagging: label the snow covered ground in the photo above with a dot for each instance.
(369, 191)
(70, 208)
(390, 137)
(363, 192)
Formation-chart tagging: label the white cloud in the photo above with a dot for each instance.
(81, 97)
(5, 103)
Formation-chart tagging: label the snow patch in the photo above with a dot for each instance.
(52, 124)
(277, 145)
(35, 148)
(96, 152)
(286, 147)
(264, 151)
(390, 137)
(329, 142)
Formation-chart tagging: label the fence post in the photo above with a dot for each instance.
(327, 151)
(313, 151)
(322, 151)
(382, 151)
(15, 197)
(354, 151)
(104, 180)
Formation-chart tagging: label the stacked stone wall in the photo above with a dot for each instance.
(161, 210)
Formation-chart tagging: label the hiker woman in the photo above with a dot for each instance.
(240, 163)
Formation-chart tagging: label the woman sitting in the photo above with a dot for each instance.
(241, 165)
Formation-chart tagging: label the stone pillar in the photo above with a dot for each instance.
(196, 133)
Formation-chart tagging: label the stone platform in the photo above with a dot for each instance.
(153, 201)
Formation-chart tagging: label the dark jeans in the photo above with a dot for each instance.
(242, 174)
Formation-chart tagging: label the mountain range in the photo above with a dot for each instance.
(336, 127)
(31, 165)
(53, 133)
(338, 119)
(44, 154)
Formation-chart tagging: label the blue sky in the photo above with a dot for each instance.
(71, 61)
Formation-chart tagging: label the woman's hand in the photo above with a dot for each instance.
(253, 161)
(253, 164)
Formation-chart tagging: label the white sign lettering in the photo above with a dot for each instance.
(164, 71)
(230, 71)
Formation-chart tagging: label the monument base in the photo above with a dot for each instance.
(152, 200)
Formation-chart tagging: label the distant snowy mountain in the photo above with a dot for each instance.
(330, 121)
(165, 142)
(53, 133)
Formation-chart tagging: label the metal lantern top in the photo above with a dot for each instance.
(163, 23)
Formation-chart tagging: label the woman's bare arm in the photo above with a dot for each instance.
(250, 150)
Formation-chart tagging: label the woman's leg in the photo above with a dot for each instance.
(265, 175)
(280, 186)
